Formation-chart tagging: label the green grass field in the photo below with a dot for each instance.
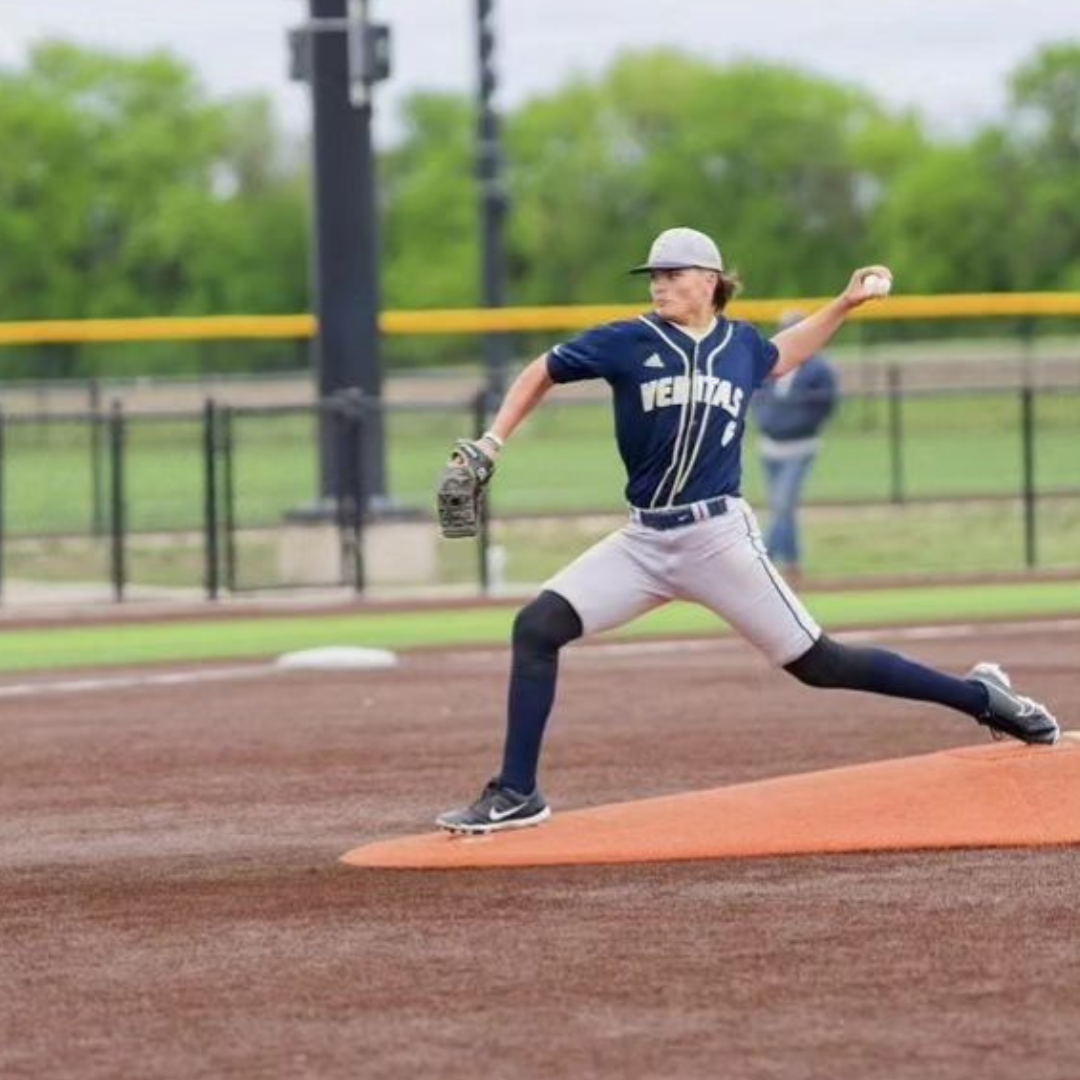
(563, 460)
(225, 639)
(856, 542)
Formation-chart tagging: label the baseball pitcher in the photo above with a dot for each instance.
(681, 378)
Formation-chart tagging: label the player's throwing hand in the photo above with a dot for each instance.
(868, 283)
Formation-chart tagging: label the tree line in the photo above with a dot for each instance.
(127, 190)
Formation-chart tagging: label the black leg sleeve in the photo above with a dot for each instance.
(827, 663)
(541, 629)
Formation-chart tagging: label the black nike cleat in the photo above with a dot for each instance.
(499, 807)
(1008, 713)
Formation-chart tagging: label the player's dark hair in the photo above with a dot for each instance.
(728, 285)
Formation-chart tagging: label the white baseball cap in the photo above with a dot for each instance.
(680, 249)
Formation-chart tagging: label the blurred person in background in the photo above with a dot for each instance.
(791, 414)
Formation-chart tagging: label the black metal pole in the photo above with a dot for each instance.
(335, 421)
(896, 434)
(118, 515)
(210, 499)
(97, 460)
(227, 448)
(346, 264)
(1027, 439)
(363, 413)
(346, 409)
(494, 201)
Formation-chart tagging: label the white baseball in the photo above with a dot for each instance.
(877, 284)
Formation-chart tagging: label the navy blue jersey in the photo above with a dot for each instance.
(680, 404)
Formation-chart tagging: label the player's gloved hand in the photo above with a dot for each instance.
(459, 498)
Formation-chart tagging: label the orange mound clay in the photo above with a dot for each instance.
(1004, 795)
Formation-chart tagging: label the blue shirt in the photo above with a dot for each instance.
(797, 406)
(680, 404)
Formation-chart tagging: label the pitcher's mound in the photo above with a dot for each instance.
(1004, 795)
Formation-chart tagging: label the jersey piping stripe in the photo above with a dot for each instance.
(689, 367)
(688, 467)
(770, 572)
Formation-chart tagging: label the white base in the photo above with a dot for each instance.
(337, 658)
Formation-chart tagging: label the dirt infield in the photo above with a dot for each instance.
(172, 903)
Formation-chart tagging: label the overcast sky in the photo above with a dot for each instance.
(948, 58)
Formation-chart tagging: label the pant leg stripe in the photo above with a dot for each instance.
(770, 572)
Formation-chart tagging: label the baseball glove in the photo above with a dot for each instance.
(460, 494)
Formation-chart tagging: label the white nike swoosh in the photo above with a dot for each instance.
(498, 815)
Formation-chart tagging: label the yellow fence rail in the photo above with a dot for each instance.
(513, 319)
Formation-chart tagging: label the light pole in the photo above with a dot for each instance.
(342, 55)
(494, 200)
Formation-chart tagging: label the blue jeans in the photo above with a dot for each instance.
(785, 480)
